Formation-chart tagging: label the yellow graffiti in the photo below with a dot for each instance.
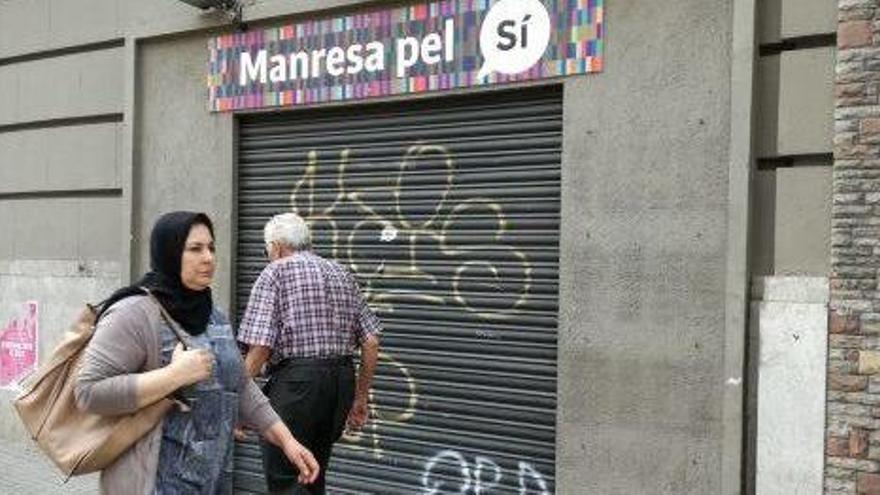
(307, 185)
(302, 201)
(371, 435)
(473, 263)
(409, 159)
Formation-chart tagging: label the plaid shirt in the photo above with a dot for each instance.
(306, 306)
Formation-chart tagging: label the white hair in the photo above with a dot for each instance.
(288, 229)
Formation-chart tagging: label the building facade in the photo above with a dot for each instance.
(611, 282)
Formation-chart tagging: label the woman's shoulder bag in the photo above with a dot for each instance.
(77, 441)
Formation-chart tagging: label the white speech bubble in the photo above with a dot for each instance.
(514, 36)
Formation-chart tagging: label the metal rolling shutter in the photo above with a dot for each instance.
(447, 210)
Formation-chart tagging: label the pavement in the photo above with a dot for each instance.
(24, 470)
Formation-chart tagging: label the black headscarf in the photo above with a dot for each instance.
(192, 309)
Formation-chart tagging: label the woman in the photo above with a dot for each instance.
(135, 359)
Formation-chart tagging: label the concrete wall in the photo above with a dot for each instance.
(790, 338)
(642, 298)
(184, 157)
(77, 85)
(796, 102)
(790, 222)
(29, 26)
(806, 103)
(763, 220)
(80, 157)
(786, 19)
(61, 288)
(803, 220)
(62, 174)
(793, 137)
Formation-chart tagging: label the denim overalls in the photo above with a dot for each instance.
(196, 455)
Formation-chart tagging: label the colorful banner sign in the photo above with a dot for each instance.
(18, 347)
(430, 46)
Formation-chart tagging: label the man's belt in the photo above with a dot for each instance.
(311, 361)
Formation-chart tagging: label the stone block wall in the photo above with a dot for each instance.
(852, 443)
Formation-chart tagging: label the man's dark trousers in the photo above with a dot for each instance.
(313, 397)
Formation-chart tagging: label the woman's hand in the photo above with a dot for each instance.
(304, 461)
(279, 435)
(192, 365)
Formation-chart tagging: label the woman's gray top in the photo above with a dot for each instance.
(128, 341)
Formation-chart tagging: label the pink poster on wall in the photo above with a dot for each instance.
(18, 346)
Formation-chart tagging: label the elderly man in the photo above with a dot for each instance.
(306, 318)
